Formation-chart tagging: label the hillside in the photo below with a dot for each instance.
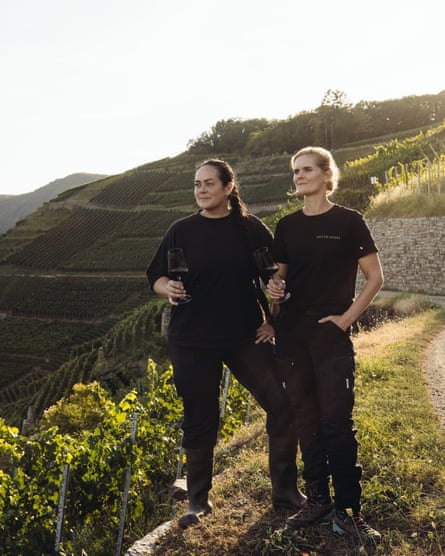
(15, 207)
(74, 270)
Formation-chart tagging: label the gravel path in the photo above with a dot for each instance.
(434, 366)
(434, 370)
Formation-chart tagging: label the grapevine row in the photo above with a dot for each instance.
(81, 229)
(68, 297)
(131, 189)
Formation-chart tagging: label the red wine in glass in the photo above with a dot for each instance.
(267, 267)
(269, 271)
(177, 270)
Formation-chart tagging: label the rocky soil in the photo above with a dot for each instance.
(434, 370)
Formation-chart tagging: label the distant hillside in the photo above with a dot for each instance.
(15, 207)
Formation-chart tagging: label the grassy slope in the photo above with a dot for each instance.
(401, 450)
(400, 203)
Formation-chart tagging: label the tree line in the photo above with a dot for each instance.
(334, 124)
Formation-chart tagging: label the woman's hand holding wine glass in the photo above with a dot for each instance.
(177, 271)
(268, 268)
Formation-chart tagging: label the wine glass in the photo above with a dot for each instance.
(177, 270)
(267, 267)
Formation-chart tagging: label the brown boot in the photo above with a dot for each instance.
(318, 506)
(199, 482)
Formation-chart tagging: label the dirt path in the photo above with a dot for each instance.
(434, 365)
(434, 370)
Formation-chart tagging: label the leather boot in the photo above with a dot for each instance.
(318, 506)
(199, 481)
(283, 474)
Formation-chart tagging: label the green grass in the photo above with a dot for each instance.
(401, 450)
(400, 203)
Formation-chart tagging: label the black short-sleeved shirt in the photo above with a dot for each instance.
(224, 310)
(321, 252)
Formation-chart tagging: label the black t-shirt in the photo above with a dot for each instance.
(224, 309)
(321, 252)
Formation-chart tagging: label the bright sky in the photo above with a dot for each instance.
(103, 86)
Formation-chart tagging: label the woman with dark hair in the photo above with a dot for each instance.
(222, 324)
(319, 249)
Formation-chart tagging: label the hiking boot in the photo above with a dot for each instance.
(318, 506)
(312, 512)
(356, 527)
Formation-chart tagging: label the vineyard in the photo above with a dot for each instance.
(91, 434)
(121, 254)
(76, 310)
(396, 159)
(65, 353)
(69, 297)
(94, 492)
(26, 230)
(35, 350)
(96, 446)
(76, 232)
(130, 189)
(79, 261)
(46, 322)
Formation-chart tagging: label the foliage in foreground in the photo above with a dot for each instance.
(401, 450)
(92, 434)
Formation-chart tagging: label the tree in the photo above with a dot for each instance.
(227, 136)
(333, 113)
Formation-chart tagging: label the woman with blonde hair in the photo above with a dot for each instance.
(319, 249)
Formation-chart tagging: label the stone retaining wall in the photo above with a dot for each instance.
(412, 252)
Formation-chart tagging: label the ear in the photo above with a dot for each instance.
(229, 188)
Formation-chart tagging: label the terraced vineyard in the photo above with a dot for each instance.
(77, 231)
(69, 297)
(129, 189)
(70, 272)
(76, 267)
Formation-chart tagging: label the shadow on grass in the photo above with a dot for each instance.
(226, 534)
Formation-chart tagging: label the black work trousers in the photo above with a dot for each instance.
(197, 375)
(316, 361)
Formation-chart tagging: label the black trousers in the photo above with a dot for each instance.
(316, 361)
(197, 375)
